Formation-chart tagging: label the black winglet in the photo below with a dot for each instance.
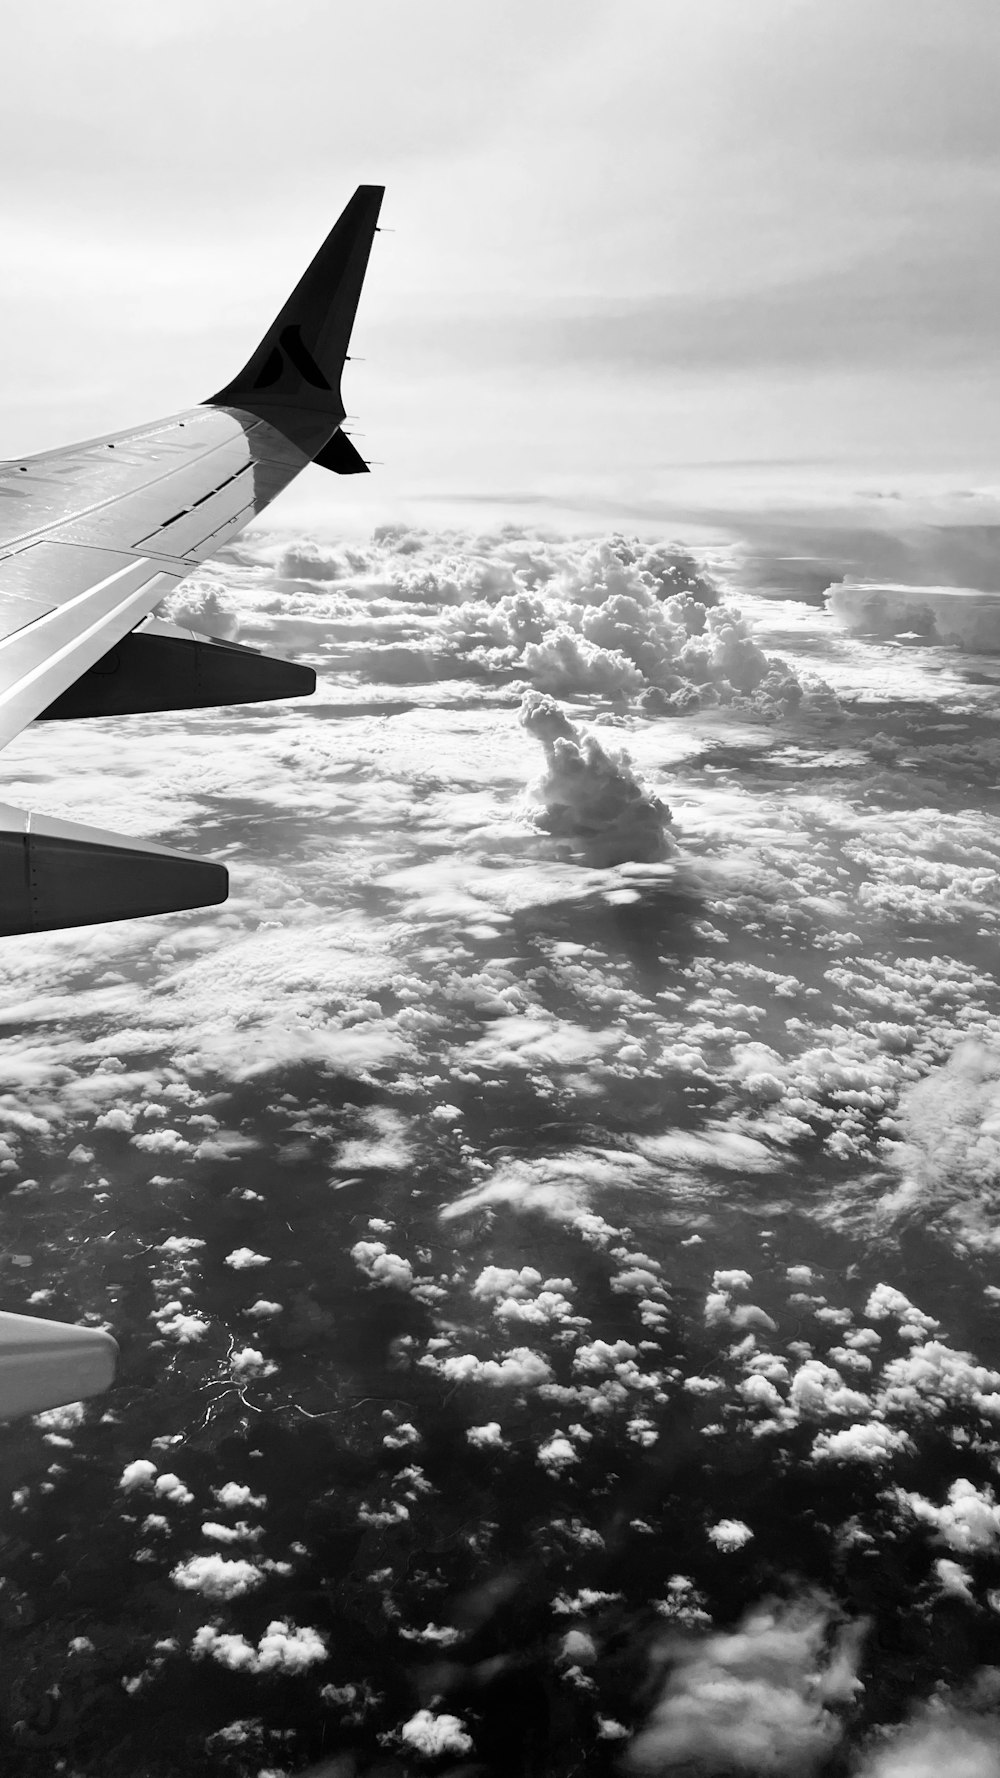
(341, 456)
(293, 378)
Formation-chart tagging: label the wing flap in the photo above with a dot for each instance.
(56, 873)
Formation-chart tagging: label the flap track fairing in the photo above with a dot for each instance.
(159, 667)
(57, 873)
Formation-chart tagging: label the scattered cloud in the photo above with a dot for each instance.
(759, 1698)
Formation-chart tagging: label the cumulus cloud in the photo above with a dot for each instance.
(182, 1326)
(381, 1266)
(969, 1520)
(238, 1533)
(618, 620)
(756, 1699)
(217, 1577)
(244, 1259)
(729, 1534)
(731, 1280)
(138, 1474)
(557, 1453)
(238, 1494)
(589, 796)
(490, 1433)
(248, 1364)
(170, 1487)
(62, 1419)
(520, 1368)
(433, 1734)
(284, 1647)
(868, 1441)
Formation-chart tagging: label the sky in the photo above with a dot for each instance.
(712, 264)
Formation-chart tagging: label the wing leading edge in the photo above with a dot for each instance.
(91, 539)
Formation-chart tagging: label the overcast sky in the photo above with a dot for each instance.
(650, 258)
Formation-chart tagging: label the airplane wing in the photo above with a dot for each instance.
(94, 536)
(91, 539)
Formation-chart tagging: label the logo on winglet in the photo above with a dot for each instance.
(291, 345)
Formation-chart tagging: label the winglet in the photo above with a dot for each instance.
(293, 378)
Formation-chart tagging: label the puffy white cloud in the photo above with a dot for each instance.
(520, 1368)
(495, 1282)
(238, 1494)
(729, 1534)
(401, 1436)
(170, 1487)
(217, 1577)
(863, 1442)
(577, 1646)
(885, 1301)
(433, 1735)
(238, 1533)
(756, 1699)
(933, 1378)
(66, 1418)
(759, 1392)
(382, 1267)
(954, 1579)
(244, 1259)
(283, 1648)
(818, 1390)
(137, 1474)
(176, 1323)
(180, 1247)
(732, 1280)
(868, 1441)
(968, 1521)
(557, 1453)
(490, 1433)
(263, 1309)
(586, 1599)
(248, 1364)
(600, 1356)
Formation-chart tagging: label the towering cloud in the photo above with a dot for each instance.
(589, 795)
